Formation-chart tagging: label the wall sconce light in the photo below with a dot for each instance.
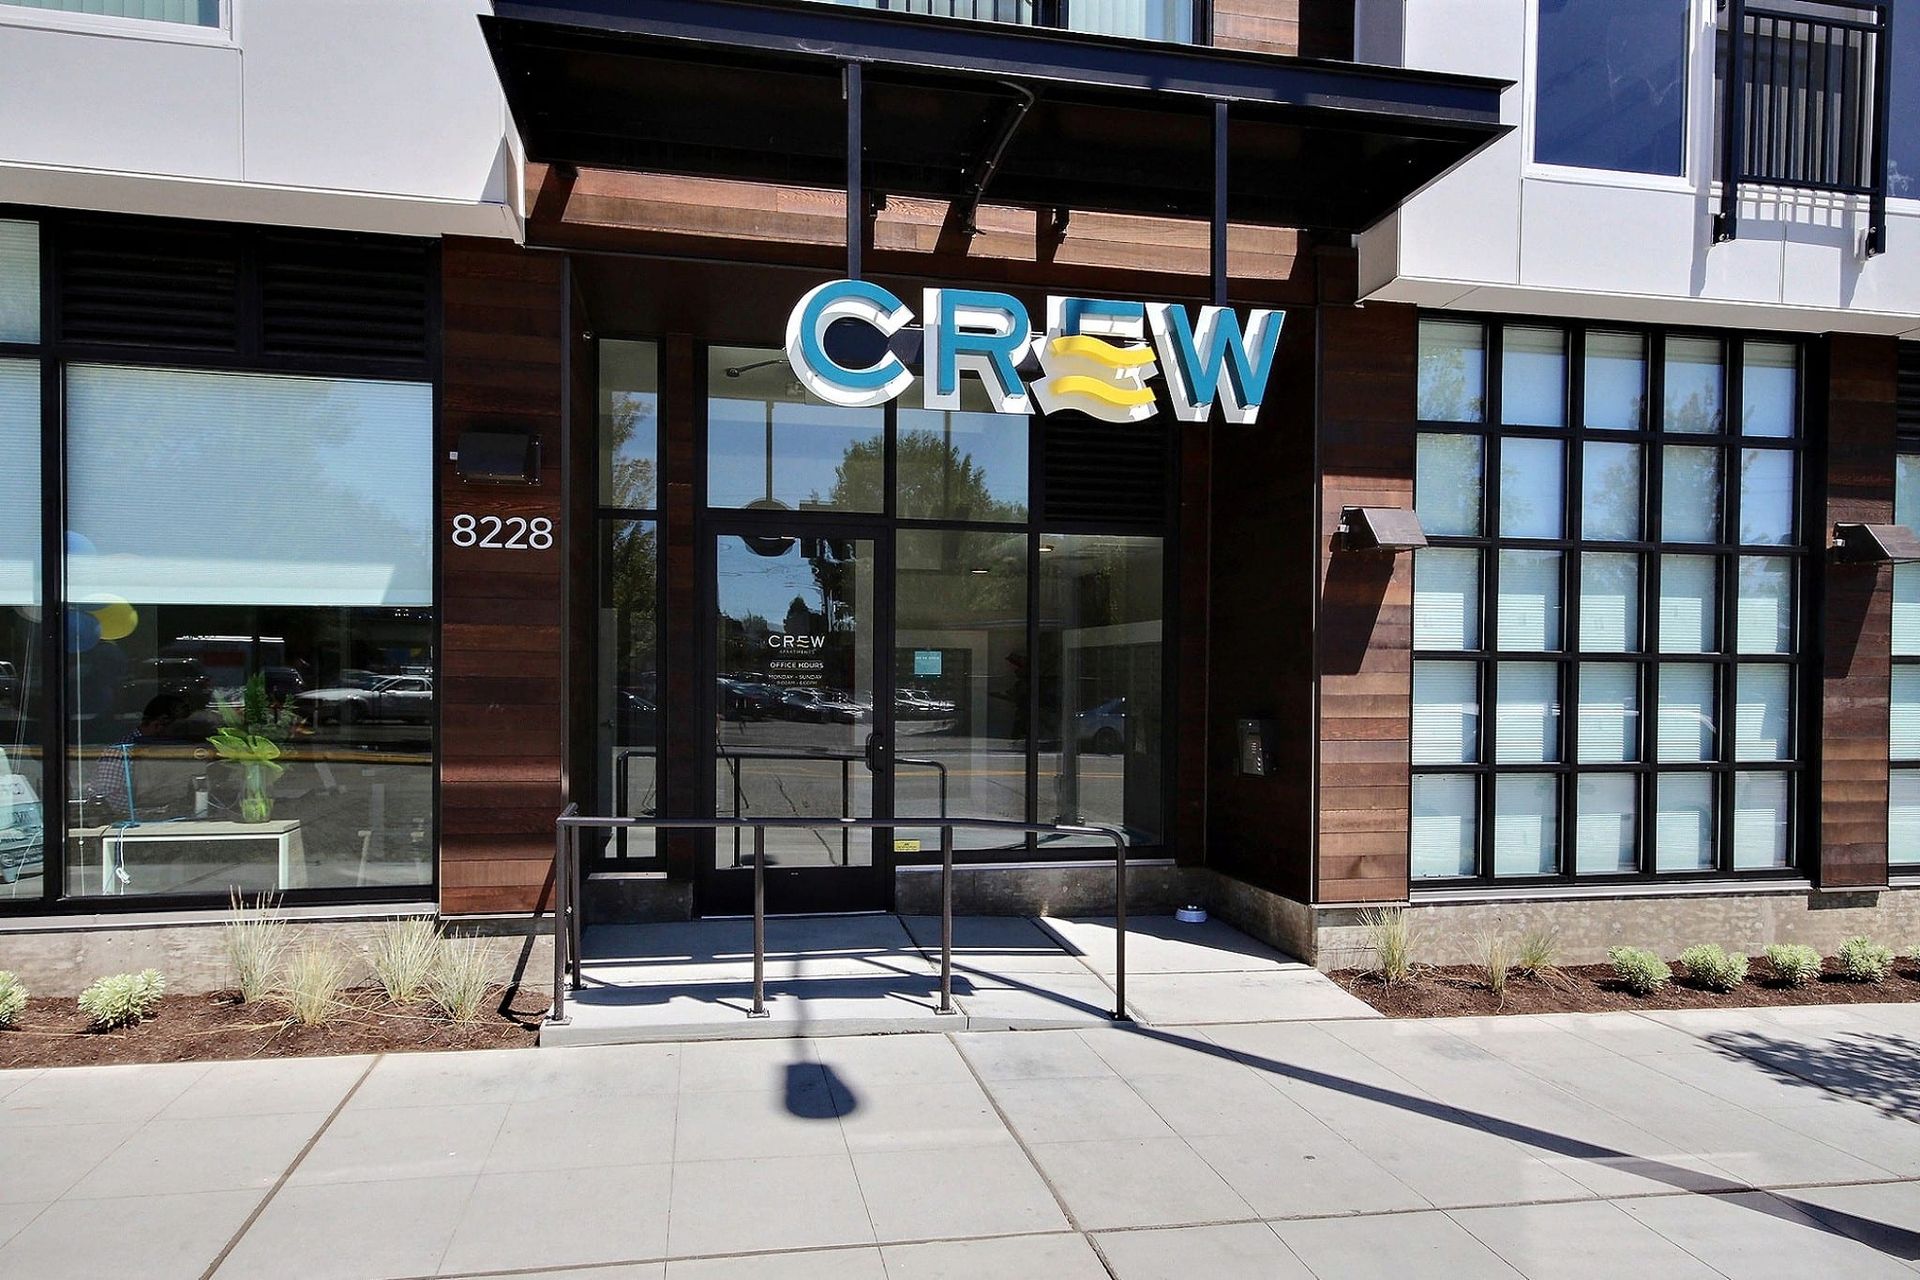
(1874, 544)
(498, 457)
(1386, 529)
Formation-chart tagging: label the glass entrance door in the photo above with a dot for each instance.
(796, 640)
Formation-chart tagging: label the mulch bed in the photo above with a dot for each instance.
(52, 1032)
(1450, 991)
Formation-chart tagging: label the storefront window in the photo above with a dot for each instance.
(22, 757)
(19, 282)
(251, 634)
(960, 676)
(1101, 672)
(771, 446)
(1643, 571)
(627, 628)
(966, 464)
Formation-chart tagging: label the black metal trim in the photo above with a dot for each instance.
(1647, 659)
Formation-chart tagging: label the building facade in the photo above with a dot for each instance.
(415, 425)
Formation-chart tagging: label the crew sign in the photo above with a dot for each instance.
(1095, 355)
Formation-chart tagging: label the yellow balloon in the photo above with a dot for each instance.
(117, 620)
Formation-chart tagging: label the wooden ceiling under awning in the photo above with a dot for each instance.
(753, 90)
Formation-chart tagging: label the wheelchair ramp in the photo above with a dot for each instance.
(879, 974)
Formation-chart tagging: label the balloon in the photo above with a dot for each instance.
(117, 620)
(31, 612)
(83, 631)
(78, 544)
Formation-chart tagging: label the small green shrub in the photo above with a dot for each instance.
(123, 998)
(1864, 960)
(1496, 962)
(1714, 968)
(314, 980)
(1393, 938)
(402, 955)
(255, 937)
(1796, 964)
(1538, 954)
(460, 980)
(13, 997)
(1642, 970)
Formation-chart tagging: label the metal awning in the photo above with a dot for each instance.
(756, 90)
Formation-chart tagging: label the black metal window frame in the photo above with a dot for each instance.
(55, 354)
(1647, 658)
(1908, 448)
(1784, 122)
(1034, 528)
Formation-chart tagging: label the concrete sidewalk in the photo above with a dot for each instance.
(1744, 1144)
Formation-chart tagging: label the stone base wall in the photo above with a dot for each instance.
(59, 957)
(1745, 920)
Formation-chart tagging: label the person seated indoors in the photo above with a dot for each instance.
(130, 784)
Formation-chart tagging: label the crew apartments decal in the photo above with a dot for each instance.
(1094, 354)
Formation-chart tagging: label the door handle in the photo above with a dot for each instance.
(875, 752)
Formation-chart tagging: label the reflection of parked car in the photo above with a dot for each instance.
(403, 699)
(1103, 729)
(746, 700)
(635, 718)
(919, 704)
(9, 685)
(22, 836)
(172, 677)
(822, 706)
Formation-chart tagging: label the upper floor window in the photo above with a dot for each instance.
(1903, 133)
(192, 13)
(1173, 20)
(1611, 85)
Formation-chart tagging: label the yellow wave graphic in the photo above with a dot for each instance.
(1101, 351)
(1079, 384)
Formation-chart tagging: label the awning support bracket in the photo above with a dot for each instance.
(969, 207)
(856, 194)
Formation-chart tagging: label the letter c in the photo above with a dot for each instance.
(818, 372)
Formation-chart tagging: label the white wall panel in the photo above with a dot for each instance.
(368, 95)
(86, 101)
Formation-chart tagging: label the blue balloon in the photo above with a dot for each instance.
(79, 544)
(83, 631)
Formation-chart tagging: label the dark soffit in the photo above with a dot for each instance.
(752, 89)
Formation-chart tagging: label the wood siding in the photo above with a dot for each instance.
(1364, 652)
(1308, 28)
(1856, 611)
(503, 699)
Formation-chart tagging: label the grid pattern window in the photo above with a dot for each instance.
(23, 682)
(1903, 819)
(191, 13)
(1605, 624)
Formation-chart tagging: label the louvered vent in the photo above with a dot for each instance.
(141, 284)
(349, 298)
(1908, 399)
(1098, 472)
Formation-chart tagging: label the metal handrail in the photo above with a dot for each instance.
(567, 888)
(733, 756)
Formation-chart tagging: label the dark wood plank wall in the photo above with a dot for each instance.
(1856, 614)
(1260, 588)
(503, 677)
(1310, 28)
(1364, 652)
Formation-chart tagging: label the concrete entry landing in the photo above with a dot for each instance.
(874, 974)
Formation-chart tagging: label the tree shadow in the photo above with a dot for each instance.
(1889, 1238)
(1881, 1069)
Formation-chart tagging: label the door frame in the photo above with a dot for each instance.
(797, 890)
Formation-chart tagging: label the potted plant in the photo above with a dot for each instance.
(250, 737)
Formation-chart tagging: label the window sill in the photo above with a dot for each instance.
(94, 24)
(1605, 892)
(52, 922)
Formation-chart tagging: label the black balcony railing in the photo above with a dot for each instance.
(1806, 99)
(1181, 21)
